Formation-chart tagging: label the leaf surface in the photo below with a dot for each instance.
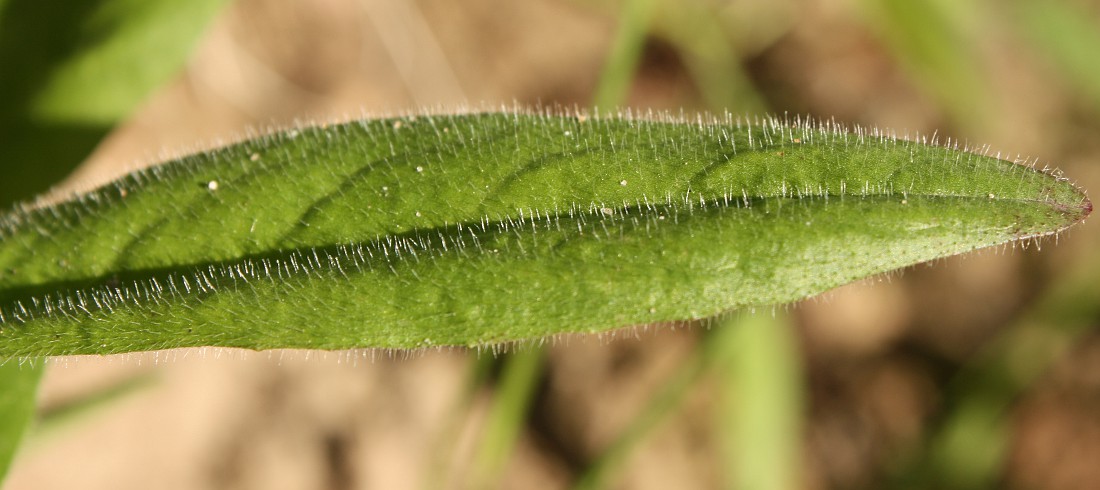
(486, 228)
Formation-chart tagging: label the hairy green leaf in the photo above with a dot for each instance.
(487, 228)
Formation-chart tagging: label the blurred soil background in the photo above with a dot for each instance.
(969, 373)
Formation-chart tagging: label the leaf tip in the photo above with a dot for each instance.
(1080, 211)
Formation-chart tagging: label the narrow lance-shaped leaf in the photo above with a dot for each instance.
(486, 228)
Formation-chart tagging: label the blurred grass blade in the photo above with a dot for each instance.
(487, 228)
(54, 419)
(602, 472)
(762, 406)
(439, 471)
(73, 69)
(930, 40)
(969, 448)
(17, 401)
(519, 378)
(626, 50)
(711, 57)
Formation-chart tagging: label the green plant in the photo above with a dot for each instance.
(483, 229)
(851, 205)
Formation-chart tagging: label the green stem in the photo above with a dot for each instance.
(626, 50)
(757, 359)
(519, 378)
(19, 382)
(478, 368)
(761, 409)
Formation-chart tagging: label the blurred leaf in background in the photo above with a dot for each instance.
(73, 70)
(934, 42)
(1067, 36)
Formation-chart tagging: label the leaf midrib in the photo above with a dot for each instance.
(432, 236)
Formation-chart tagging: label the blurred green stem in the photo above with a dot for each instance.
(759, 367)
(19, 383)
(519, 377)
(935, 42)
(603, 470)
(626, 51)
(760, 410)
(54, 419)
(478, 368)
(711, 57)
